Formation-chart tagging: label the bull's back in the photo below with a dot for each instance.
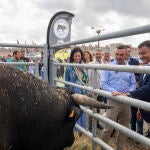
(31, 110)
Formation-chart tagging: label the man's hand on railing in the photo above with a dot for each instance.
(118, 93)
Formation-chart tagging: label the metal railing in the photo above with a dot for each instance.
(113, 35)
(122, 99)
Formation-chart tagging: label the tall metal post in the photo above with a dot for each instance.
(94, 121)
(98, 31)
(45, 61)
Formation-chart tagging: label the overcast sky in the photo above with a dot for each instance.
(28, 20)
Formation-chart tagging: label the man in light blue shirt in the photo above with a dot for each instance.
(114, 81)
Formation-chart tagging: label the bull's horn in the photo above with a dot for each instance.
(90, 102)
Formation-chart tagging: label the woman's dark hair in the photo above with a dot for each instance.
(73, 51)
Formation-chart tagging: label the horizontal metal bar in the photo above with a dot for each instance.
(18, 63)
(121, 99)
(113, 35)
(102, 37)
(95, 139)
(138, 137)
(21, 45)
(121, 68)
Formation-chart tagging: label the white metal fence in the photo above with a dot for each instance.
(122, 99)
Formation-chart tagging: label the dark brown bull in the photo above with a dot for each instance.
(35, 116)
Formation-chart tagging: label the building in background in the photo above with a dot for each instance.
(134, 50)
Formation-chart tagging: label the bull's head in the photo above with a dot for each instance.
(75, 112)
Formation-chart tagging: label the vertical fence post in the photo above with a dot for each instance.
(45, 61)
(54, 75)
(88, 117)
(36, 73)
(94, 121)
(51, 68)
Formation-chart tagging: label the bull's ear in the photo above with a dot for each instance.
(74, 113)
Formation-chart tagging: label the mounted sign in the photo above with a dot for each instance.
(58, 32)
(59, 29)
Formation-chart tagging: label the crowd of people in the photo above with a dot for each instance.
(19, 56)
(117, 83)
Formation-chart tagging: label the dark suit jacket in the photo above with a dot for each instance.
(143, 93)
(133, 61)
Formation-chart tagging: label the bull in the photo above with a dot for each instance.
(35, 116)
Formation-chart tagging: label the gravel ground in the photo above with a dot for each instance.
(84, 143)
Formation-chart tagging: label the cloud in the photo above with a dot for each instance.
(55, 5)
(135, 8)
(28, 21)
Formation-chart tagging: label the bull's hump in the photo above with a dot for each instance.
(17, 82)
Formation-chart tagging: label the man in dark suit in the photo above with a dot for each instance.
(136, 125)
(131, 60)
(143, 91)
